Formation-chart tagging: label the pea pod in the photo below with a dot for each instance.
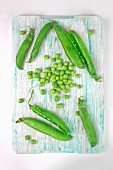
(68, 46)
(42, 34)
(23, 50)
(51, 117)
(84, 54)
(87, 122)
(44, 128)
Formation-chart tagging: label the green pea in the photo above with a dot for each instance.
(46, 57)
(37, 70)
(61, 77)
(60, 105)
(67, 91)
(42, 91)
(21, 100)
(79, 86)
(41, 84)
(56, 98)
(59, 88)
(72, 71)
(59, 60)
(53, 80)
(47, 81)
(72, 85)
(65, 80)
(66, 63)
(38, 79)
(53, 69)
(52, 91)
(43, 79)
(57, 72)
(66, 97)
(29, 73)
(57, 92)
(90, 32)
(67, 86)
(22, 32)
(30, 77)
(53, 76)
(27, 137)
(57, 55)
(65, 76)
(53, 59)
(71, 67)
(62, 86)
(60, 82)
(57, 77)
(60, 64)
(77, 113)
(55, 65)
(47, 77)
(48, 69)
(68, 71)
(33, 141)
(70, 81)
(54, 85)
(49, 74)
(45, 73)
(62, 72)
(64, 68)
(77, 75)
(35, 75)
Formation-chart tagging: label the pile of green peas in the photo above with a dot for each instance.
(60, 74)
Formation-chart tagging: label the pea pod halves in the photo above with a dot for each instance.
(44, 128)
(87, 122)
(83, 53)
(20, 57)
(42, 34)
(68, 46)
(51, 117)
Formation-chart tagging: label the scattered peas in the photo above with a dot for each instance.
(53, 59)
(59, 88)
(29, 73)
(71, 67)
(22, 32)
(30, 77)
(55, 65)
(53, 68)
(79, 86)
(60, 64)
(47, 81)
(64, 68)
(66, 63)
(57, 92)
(41, 84)
(42, 91)
(68, 71)
(33, 141)
(52, 91)
(59, 60)
(54, 85)
(35, 75)
(77, 75)
(57, 55)
(72, 71)
(27, 137)
(72, 85)
(66, 97)
(38, 79)
(57, 72)
(21, 100)
(47, 69)
(37, 70)
(46, 57)
(60, 105)
(62, 72)
(77, 113)
(43, 79)
(90, 32)
(65, 76)
(62, 86)
(44, 73)
(56, 98)
(49, 74)
(67, 91)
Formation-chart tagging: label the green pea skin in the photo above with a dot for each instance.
(77, 75)
(90, 32)
(65, 76)
(71, 67)
(33, 141)
(42, 91)
(66, 97)
(21, 100)
(79, 86)
(53, 59)
(27, 137)
(72, 85)
(46, 57)
(62, 86)
(59, 60)
(43, 79)
(57, 92)
(60, 105)
(48, 69)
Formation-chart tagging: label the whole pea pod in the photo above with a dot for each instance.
(87, 122)
(68, 46)
(49, 116)
(44, 128)
(23, 50)
(42, 34)
(84, 53)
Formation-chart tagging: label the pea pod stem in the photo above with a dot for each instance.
(44, 128)
(87, 122)
(49, 116)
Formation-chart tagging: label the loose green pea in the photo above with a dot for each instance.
(90, 32)
(47, 77)
(71, 67)
(67, 91)
(42, 91)
(66, 97)
(27, 137)
(43, 79)
(41, 84)
(53, 69)
(47, 81)
(68, 71)
(77, 75)
(22, 32)
(53, 59)
(70, 81)
(49, 74)
(60, 105)
(48, 69)
(61, 77)
(72, 71)
(21, 100)
(52, 91)
(55, 65)
(57, 77)
(62, 72)
(57, 55)
(60, 64)
(53, 76)
(79, 86)
(67, 86)
(77, 113)
(45, 73)
(59, 88)
(30, 77)
(65, 80)
(59, 60)
(33, 141)
(37, 70)
(38, 79)
(65, 76)
(46, 57)
(60, 82)
(29, 73)
(54, 85)
(62, 86)
(64, 68)
(56, 98)
(53, 80)
(72, 85)
(35, 75)
(66, 63)
(57, 72)
(57, 92)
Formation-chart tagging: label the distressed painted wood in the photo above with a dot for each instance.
(93, 91)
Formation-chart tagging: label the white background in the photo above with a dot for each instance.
(8, 159)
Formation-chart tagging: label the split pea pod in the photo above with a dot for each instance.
(42, 34)
(23, 50)
(87, 122)
(68, 46)
(49, 116)
(44, 128)
(84, 53)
